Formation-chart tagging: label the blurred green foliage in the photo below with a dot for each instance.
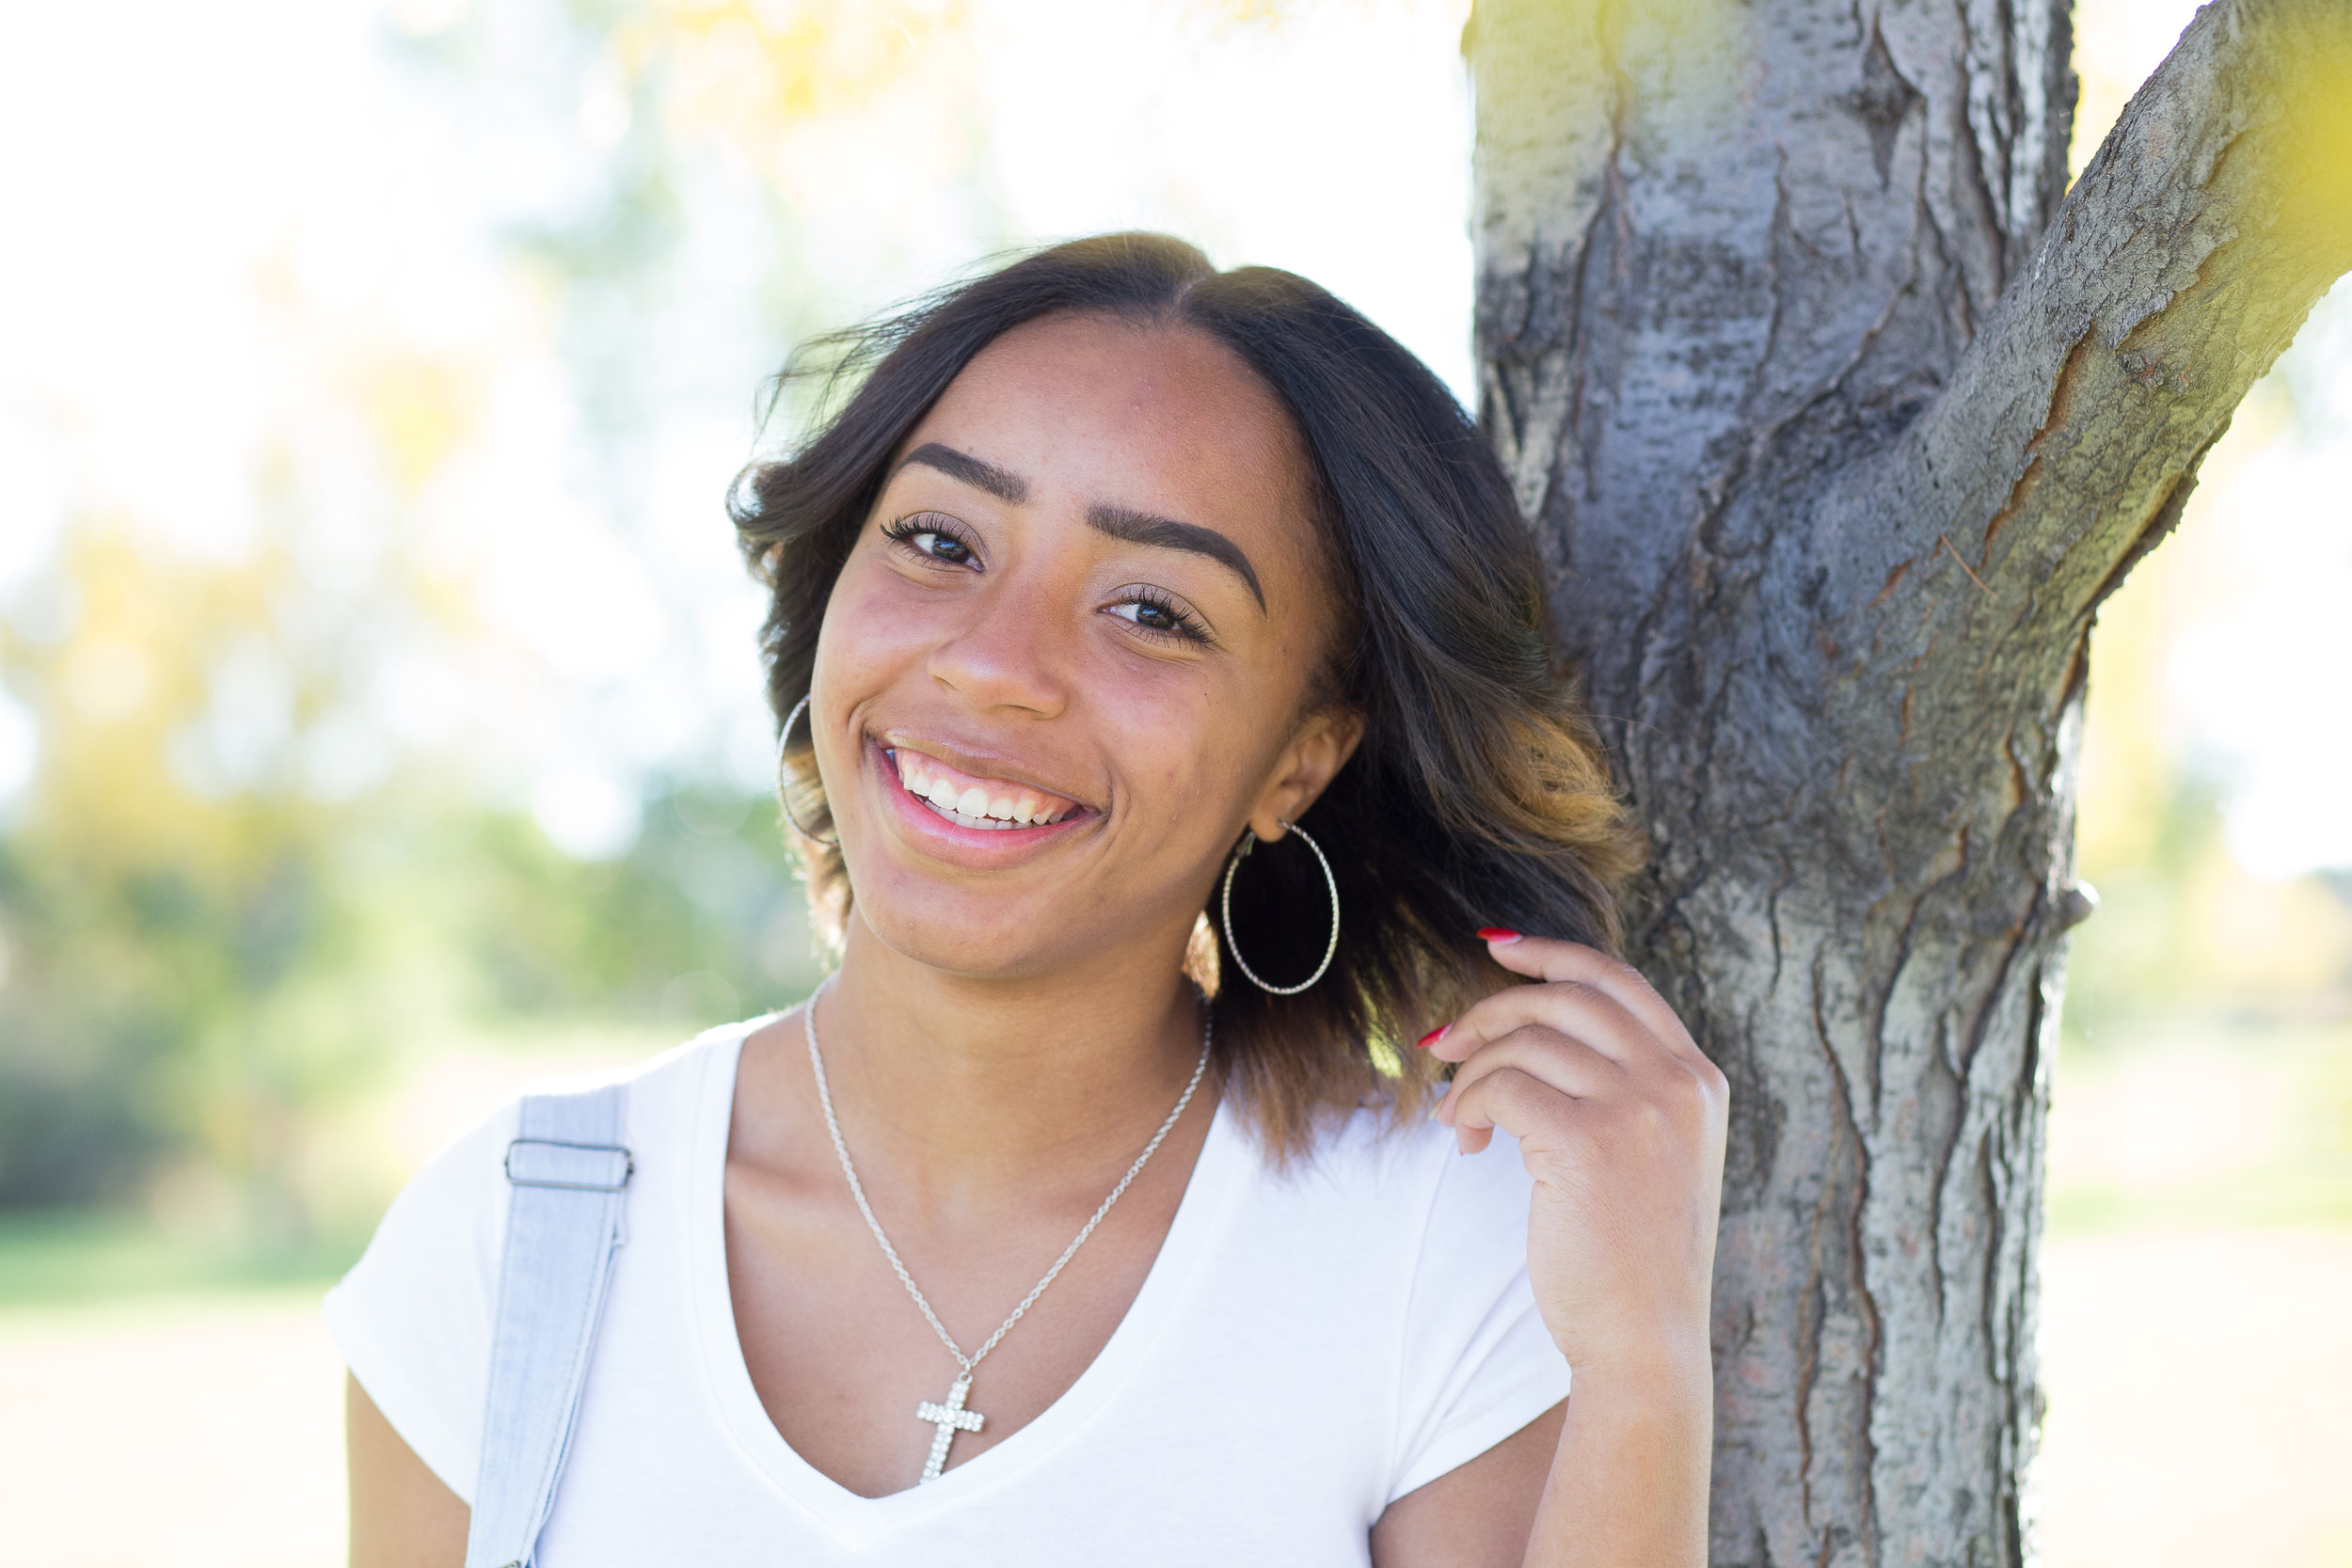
(2183, 930)
(164, 1006)
(196, 977)
(53, 1259)
(205, 965)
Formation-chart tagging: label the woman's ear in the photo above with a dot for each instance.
(1324, 742)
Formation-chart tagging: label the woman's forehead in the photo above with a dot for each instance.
(1108, 410)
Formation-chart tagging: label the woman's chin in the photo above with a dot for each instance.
(953, 938)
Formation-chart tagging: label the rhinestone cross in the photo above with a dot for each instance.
(950, 1419)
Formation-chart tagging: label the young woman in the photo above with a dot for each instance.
(1149, 641)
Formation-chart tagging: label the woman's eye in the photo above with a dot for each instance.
(936, 543)
(1165, 620)
(941, 546)
(1152, 615)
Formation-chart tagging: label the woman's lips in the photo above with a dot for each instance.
(974, 800)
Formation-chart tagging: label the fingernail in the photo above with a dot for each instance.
(1431, 1037)
(1497, 933)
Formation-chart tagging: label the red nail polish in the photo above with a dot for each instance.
(1497, 933)
(1431, 1037)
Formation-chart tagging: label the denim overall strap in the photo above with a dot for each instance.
(567, 1169)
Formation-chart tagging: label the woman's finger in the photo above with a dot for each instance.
(1581, 1011)
(1512, 1099)
(1549, 959)
(1561, 1062)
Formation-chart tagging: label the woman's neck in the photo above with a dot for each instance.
(968, 1091)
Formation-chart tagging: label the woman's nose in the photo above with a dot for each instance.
(1013, 653)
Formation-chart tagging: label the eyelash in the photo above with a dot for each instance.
(1187, 626)
(904, 531)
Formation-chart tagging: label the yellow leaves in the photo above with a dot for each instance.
(743, 70)
(2131, 737)
(117, 691)
(2314, 154)
(1244, 12)
(2183, 921)
(2287, 71)
(107, 679)
(417, 408)
(2256, 942)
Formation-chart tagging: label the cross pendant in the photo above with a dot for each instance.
(950, 1419)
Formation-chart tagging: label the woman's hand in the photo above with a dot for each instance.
(1620, 1120)
(1621, 1124)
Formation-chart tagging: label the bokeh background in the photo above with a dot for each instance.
(379, 713)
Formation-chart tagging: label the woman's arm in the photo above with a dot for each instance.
(1621, 1121)
(1593, 1482)
(402, 1516)
(1628, 1483)
(1478, 1514)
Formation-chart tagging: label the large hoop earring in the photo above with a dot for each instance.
(1225, 912)
(784, 784)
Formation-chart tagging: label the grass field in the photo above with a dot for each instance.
(165, 1404)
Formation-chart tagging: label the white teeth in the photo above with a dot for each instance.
(989, 822)
(972, 805)
(973, 819)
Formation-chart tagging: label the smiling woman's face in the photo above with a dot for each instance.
(1068, 658)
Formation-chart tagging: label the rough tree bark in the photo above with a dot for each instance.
(1838, 414)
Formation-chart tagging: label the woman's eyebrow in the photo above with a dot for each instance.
(1142, 527)
(1003, 483)
(1135, 528)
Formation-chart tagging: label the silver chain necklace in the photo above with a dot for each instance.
(951, 1417)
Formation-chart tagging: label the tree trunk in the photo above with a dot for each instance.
(1838, 416)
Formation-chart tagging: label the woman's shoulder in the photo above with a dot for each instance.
(658, 1094)
(1439, 1257)
(1388, 1251)
(680, 1072)
(1378, 1168)
(413, 1315)
(661, 1096)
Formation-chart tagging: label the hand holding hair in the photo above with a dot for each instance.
(1621, 1121)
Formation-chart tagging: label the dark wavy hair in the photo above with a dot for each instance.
(1478, 795)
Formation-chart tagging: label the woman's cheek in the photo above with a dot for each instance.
(1166, 722)
(873, 623)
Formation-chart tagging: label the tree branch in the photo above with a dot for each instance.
(2178, 268)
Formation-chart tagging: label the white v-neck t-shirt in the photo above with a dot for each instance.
(1310, 1345)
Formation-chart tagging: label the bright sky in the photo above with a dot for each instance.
(254, 216)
